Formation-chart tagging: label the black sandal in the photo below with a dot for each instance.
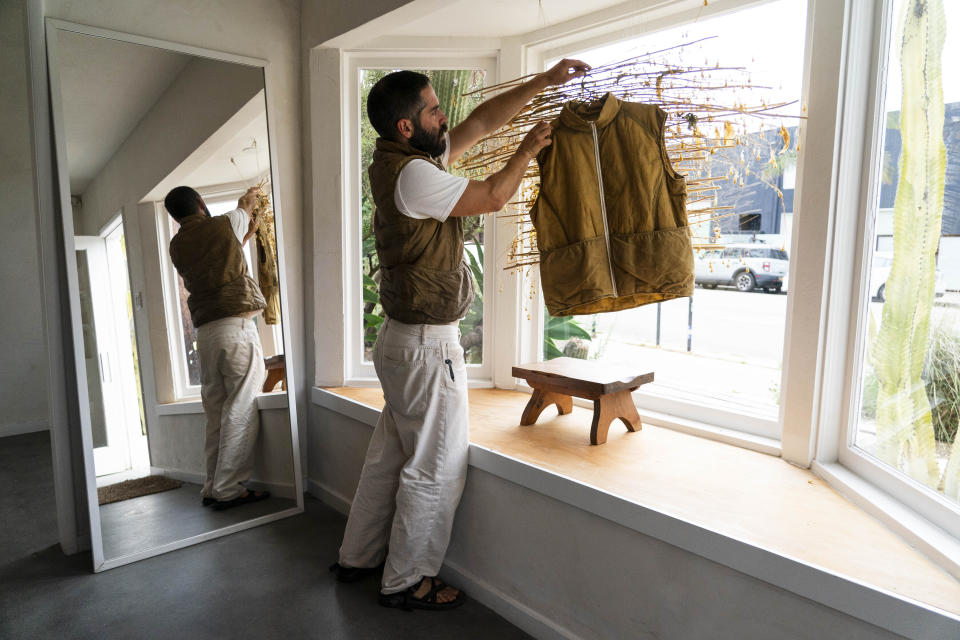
(352, 574)
(252, 496)
(405, 599)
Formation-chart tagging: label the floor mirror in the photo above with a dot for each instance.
(182, 443)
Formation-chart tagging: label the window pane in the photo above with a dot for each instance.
(910, 375)
(724, 346)
(449, 85)
(191, 357)
(190, 363)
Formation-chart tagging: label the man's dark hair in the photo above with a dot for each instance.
(395, 96)
(182, 202)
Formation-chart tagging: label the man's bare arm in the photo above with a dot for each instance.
(248, 203)
(498, 110)
(485, 196)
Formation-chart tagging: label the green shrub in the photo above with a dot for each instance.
(941, 373)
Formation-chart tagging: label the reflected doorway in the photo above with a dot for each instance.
(116, 403)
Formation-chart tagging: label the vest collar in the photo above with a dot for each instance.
(404, 148)
(193, 218)
(578, 115)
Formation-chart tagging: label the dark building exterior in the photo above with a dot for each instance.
(758, 208)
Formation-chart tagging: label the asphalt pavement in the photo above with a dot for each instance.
(735, 342)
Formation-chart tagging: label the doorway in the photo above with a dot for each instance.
(113, 380)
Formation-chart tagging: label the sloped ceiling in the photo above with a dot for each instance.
(107, 87)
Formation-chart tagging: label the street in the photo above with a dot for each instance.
(736, 345)
(744, 327)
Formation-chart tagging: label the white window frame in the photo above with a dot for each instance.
(930, 521)
(715, 420)
(358, 372)
(834, 175)
(182, 389)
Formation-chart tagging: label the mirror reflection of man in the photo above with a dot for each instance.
(207, 252)
(416, 463)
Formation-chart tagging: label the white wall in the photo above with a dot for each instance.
(23, 367)
(322, 178)
(169, 132)
(559, 571)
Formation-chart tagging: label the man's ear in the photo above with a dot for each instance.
(405, 128)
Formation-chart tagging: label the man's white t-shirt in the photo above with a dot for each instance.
(424, 191)
(239, 222)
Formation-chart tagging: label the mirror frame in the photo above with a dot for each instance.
(83, 401)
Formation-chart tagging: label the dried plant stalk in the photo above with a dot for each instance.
(267, 270)
(706, 141)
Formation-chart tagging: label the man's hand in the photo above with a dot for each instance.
(565, 70)
(495, 112)
(248, 201)
(251, 229)
(537, 138)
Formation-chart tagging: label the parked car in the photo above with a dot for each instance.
(880, 272)
(744, 266)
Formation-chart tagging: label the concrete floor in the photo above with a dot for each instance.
(149, 521)
(267, 582)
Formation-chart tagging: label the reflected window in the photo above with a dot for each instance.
(186, 358)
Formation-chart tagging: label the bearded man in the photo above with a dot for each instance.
(416, 464)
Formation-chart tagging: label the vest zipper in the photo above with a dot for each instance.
(603, 207)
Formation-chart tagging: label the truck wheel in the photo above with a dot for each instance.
(745, 281)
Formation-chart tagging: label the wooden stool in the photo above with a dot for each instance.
(609, 386)
(276, 372)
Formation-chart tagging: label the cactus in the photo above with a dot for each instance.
(904, 426)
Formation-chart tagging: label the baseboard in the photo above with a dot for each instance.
(483, 592)
(333, 499)
(278, 489)
(21, 428)
(515, 612)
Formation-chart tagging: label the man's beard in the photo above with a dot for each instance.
(433, 144)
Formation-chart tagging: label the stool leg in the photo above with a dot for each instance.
(540, 400)
(606, 409)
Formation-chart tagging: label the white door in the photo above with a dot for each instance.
(118, 440)
(126, 344)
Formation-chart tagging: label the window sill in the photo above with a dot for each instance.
(272, 400)
(790, 530)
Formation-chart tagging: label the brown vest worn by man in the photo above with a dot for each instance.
(209, 257)
(611, 215)
(424, 278)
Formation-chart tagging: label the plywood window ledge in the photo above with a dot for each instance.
(751, 512)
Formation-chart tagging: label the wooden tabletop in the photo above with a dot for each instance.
(578, 377)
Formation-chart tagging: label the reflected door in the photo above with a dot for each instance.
(119, 443)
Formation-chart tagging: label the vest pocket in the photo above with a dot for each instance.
(575, 274)
(415, 295)
(654, 262)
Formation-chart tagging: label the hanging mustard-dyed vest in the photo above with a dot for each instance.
(610, 215)
(209, 258)
(425, 279)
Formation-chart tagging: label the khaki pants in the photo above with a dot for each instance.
(416, 463)
(231, 373)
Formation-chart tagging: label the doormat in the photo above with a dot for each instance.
(136, 488)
